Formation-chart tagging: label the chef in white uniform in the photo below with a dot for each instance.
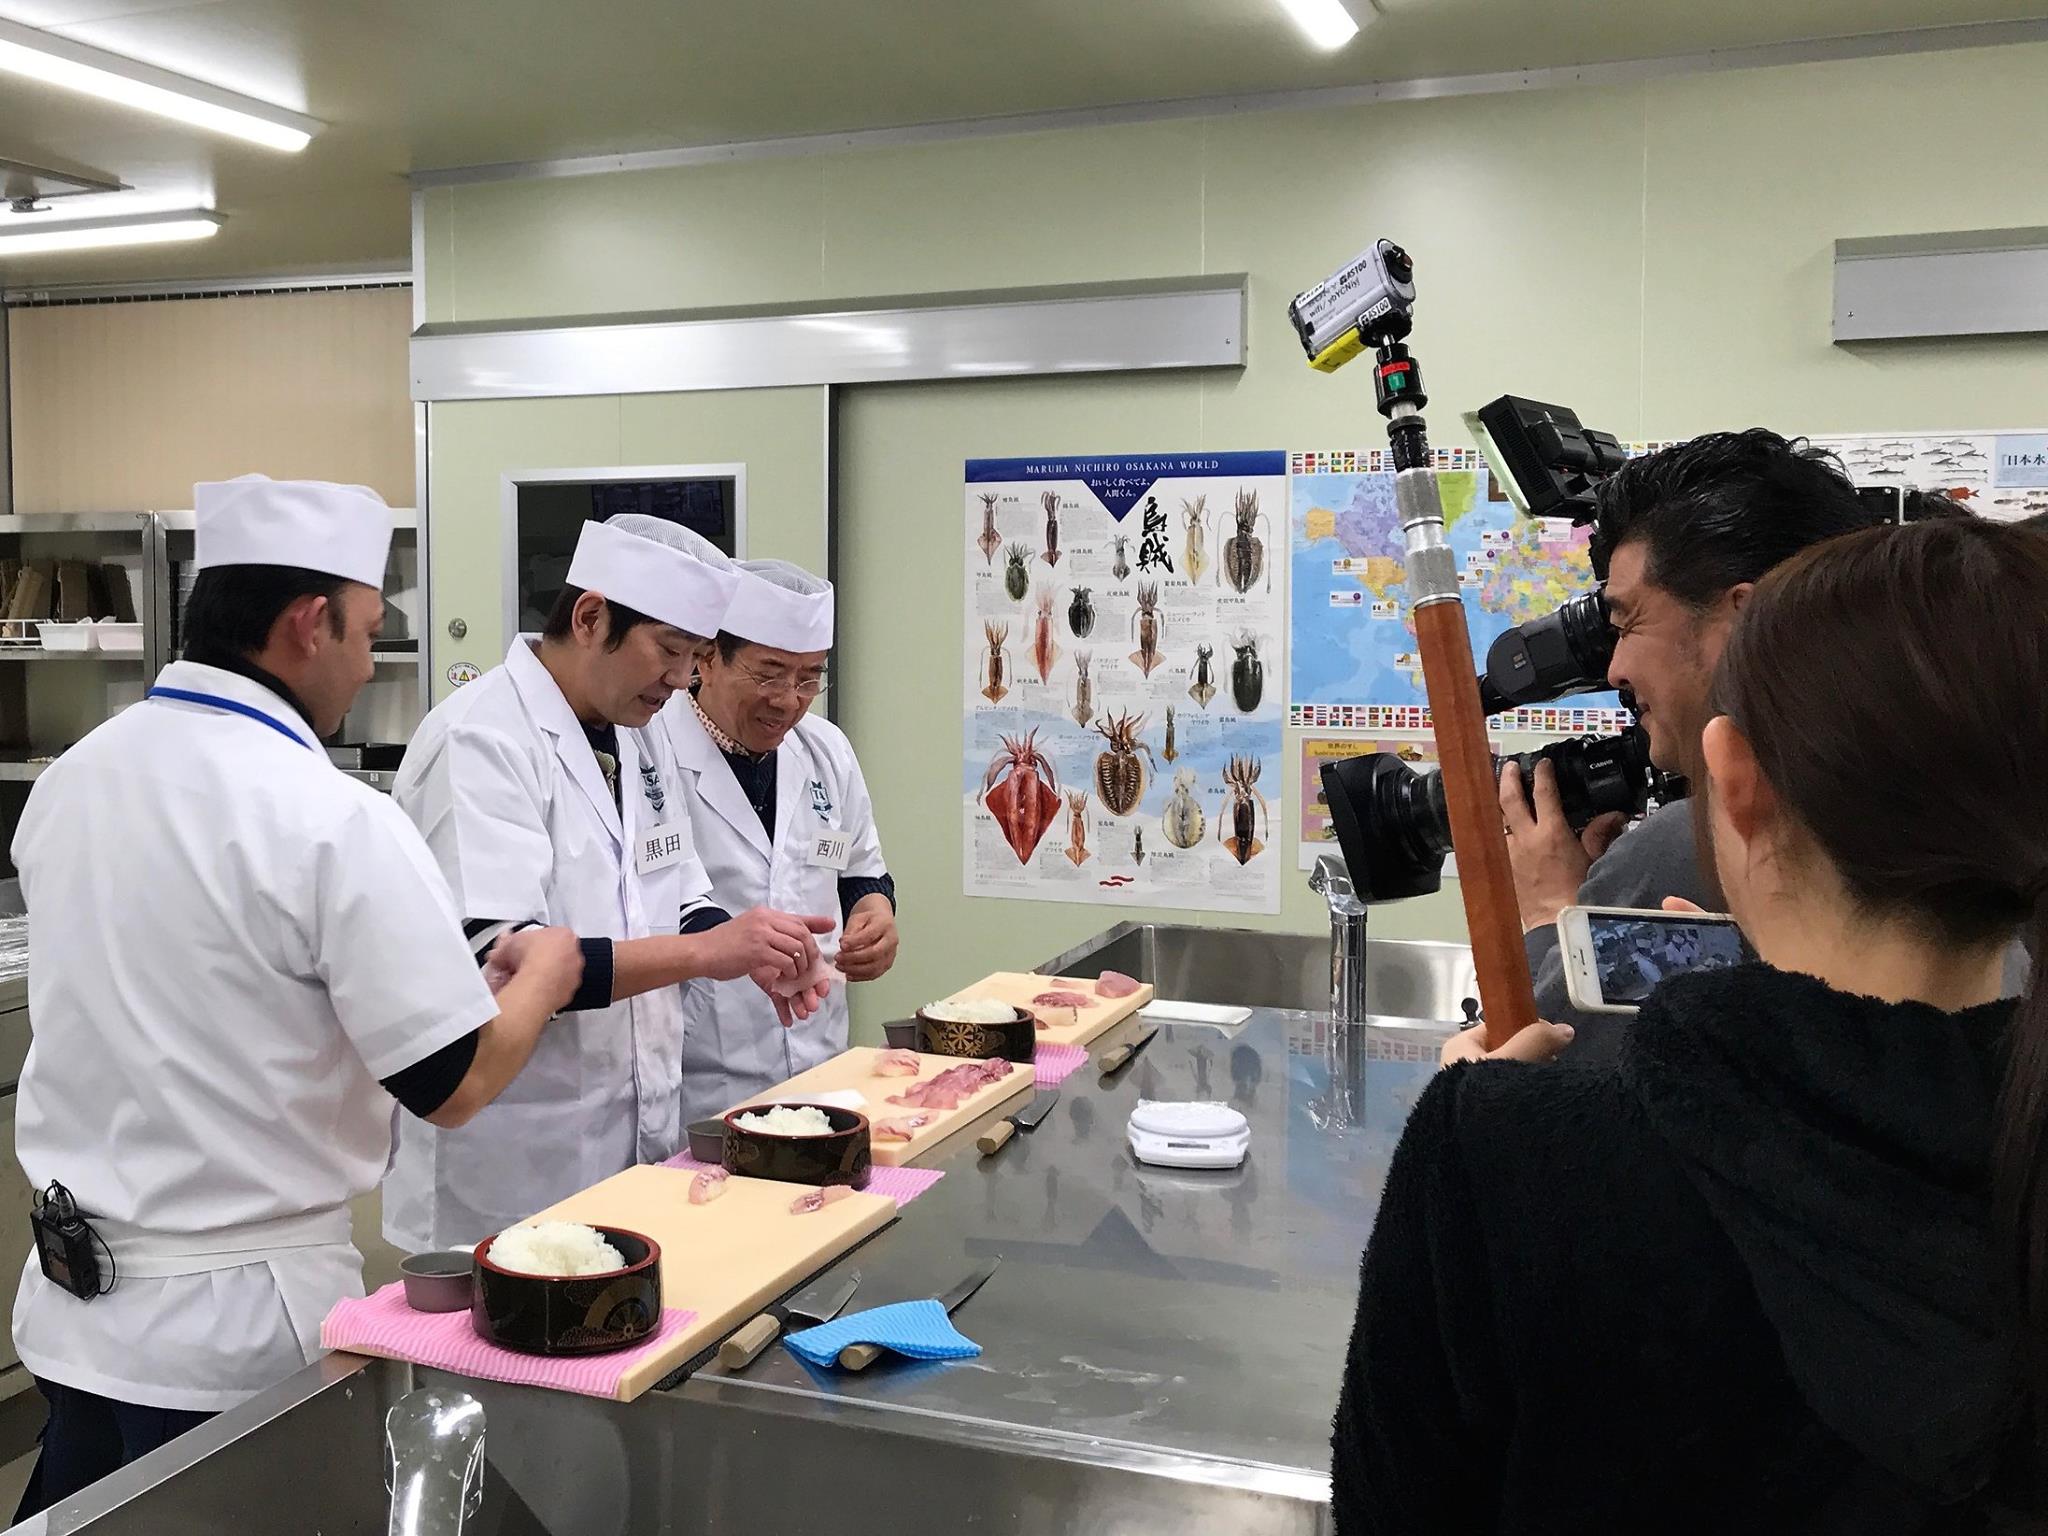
(232, 944)
(546, 800)
(783, 818)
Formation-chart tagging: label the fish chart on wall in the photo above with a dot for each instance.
(1124, 657)
(2000, 475)
(1352, 645)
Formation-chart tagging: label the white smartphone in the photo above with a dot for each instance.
(1615, 956)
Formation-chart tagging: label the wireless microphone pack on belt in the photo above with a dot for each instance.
(66, 1245)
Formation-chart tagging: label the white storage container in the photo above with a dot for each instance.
(122, 639)
(81, 636)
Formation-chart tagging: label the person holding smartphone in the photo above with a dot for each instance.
(1784, 1264)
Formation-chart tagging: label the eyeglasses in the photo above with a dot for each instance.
(807, 687)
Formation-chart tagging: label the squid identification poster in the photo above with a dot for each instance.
(1125, 673)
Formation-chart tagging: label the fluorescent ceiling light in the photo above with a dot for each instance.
(58, 61)
(1326, 23)
(97, 234)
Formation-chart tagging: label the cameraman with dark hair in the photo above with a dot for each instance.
(1683, 535)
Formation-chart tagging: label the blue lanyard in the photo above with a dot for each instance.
(215, 701)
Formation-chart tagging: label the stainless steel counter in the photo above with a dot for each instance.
(1161, 1350)
(1186, 1312)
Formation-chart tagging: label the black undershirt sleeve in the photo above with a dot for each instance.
(701, 919)
(594, 991)
(431, 1081)
(852, 888)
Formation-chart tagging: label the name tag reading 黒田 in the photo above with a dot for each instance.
(658, 847)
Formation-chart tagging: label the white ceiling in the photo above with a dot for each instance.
(419, 84)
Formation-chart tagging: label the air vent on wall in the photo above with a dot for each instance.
(195, 288)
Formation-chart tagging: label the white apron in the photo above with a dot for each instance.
(253, 941)
(501, 780)
(733, 1045)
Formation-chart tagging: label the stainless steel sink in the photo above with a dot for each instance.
(1248, 968)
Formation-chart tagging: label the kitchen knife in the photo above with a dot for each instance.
(998, 1135)
(820, 1304)
(858, 1357)
(1118, 1056)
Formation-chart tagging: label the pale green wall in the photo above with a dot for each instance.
(1656, 255)
(777, 433)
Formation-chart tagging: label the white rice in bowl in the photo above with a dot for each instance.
(972, 1010)
(787, 1120)
(555, 1248)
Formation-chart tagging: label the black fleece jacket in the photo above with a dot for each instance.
(1739, 1282)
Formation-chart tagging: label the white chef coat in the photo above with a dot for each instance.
(230, 942)
(502, 781)
(733, 1045)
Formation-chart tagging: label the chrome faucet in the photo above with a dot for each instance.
(434, 1462)
(1332, 881)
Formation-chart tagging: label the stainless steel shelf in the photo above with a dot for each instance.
(35, 653)
(74, 522)
(17, 770)
(376, 778)
(181, 522)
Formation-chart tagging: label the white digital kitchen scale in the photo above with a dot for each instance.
(1188, 1135)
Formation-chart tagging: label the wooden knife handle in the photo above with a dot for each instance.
(741, 1350)
(996, 1137)
(858, 1357)
(1113, 1059)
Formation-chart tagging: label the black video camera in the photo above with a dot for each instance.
(1390, 820)
(1394, 830)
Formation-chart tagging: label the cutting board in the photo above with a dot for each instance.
(1067, 1026)
(726, 1260)
(855, 1069)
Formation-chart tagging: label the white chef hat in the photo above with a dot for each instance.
(782, 605)
(651, 577)
(666, 531)
(338, 530)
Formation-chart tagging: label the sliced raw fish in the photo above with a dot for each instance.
(818, 1199)
(953, 1086)
(1063, 1000)
(1116, 984)
(708, 1185)
(902, 1128)
(898, 1063)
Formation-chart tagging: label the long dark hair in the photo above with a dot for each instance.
(1894, 687)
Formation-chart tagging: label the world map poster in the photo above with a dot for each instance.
(1354, 663)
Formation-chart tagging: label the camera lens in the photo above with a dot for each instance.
(1565, 652)
(1394, 828)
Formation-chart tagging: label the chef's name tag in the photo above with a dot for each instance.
(829, 850)
(660, 846)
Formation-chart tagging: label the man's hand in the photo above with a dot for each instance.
(793, 1007)
(868, 947)
(1536, 1042)
(550, 958)
(763, 941)
(1550, 861)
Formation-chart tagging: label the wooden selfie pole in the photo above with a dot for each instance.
(1486, 879)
